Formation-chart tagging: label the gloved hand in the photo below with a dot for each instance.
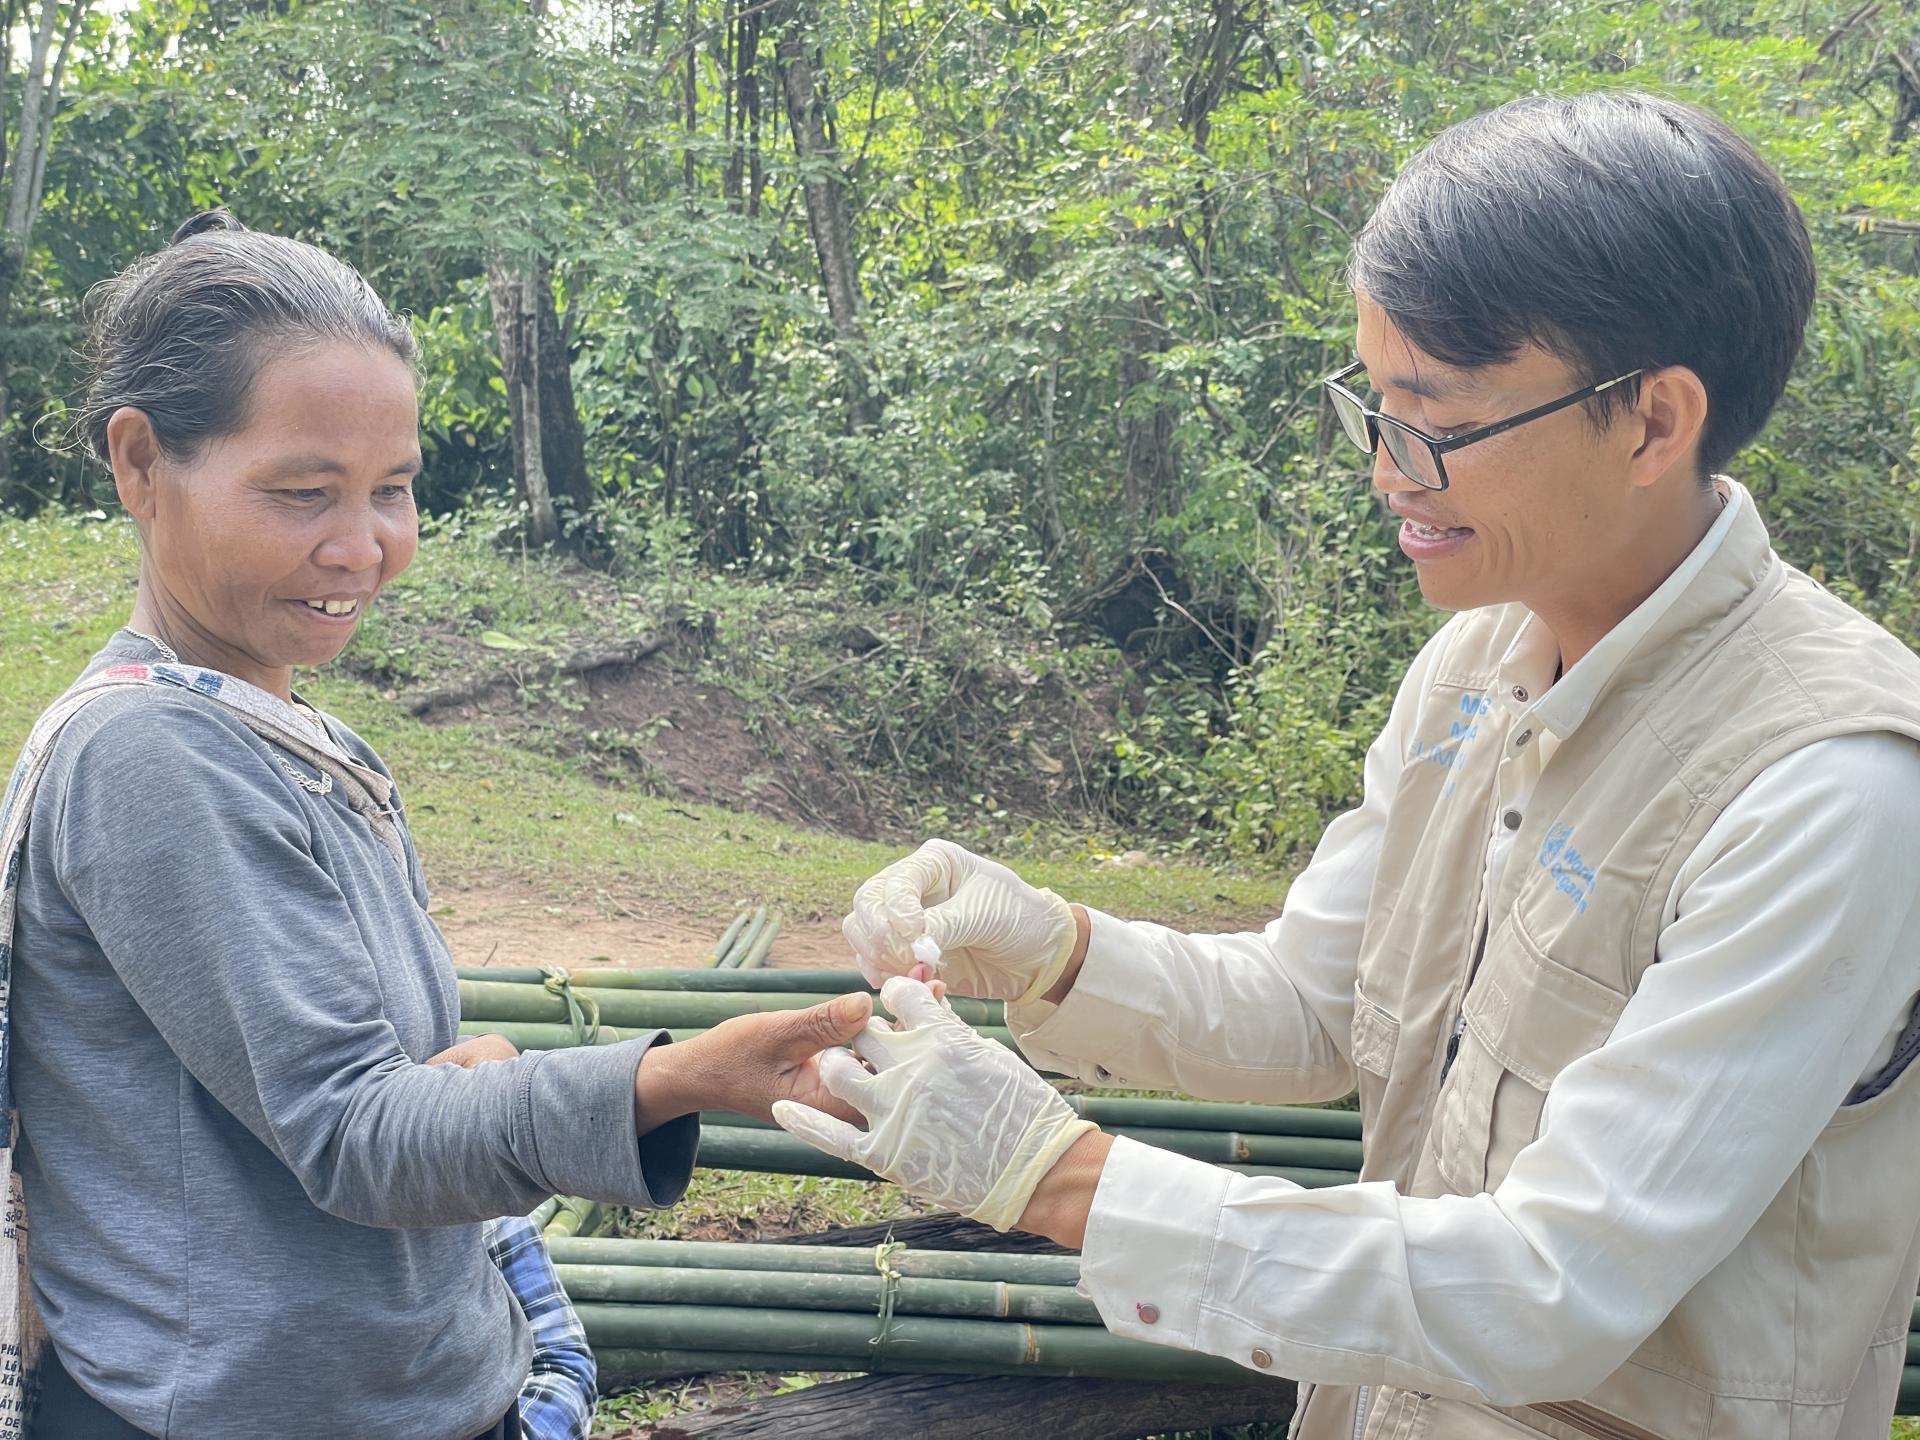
(955, 1118)
(999, 937)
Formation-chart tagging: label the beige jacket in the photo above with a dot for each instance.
(1467, 1010)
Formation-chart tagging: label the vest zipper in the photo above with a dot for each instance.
(1589, 1421)
(1360, 1408)
(1453, 1045)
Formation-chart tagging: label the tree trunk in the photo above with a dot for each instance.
(1147, 465)
(24, 170)
(563, 441)
(1054, 532)
(514, 296)
(545, 527)
(824, 186)
(1906, 84)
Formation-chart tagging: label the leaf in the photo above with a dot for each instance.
(499, 640)
(1042, 761)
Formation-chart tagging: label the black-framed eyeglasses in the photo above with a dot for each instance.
(1424, 462)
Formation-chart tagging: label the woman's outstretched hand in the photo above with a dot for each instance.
(749, 1062)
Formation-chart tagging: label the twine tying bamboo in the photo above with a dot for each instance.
(583, 1011)
(883, 1255)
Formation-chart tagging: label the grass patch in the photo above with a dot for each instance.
(484, 810)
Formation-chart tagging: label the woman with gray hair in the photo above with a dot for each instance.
(256, 1209)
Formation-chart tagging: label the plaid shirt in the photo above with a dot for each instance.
(557, 1401)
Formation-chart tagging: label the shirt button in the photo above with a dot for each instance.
(1511, 819)
(1102, 1072)
(1522, 738)
(1262, 1360)
(1149, 1314)
(1520, 693)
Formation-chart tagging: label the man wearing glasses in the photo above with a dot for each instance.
(1622, 945)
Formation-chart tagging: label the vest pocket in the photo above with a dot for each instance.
(1527, 1017)
(1376, 1035)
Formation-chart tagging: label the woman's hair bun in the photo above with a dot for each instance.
(207, 221)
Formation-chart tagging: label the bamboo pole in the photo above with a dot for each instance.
(543, 1212)
(530, 1035)
(628, 1366)
(860, 1294)
(724, 943)
(574, 1216)
(825, 982)
(497, 1000)
(1005, 1345)
(1011, 1267)
(775, 1152)
(1221, 1147)
(756, 954)
(731, 960)
(1218, 1115)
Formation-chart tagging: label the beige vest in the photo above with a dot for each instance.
(1753, 661)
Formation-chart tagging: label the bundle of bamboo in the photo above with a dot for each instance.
(656, 1308)
(665, 1307)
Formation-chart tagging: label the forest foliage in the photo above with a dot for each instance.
(1006, 312)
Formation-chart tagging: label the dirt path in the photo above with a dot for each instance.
(506, 925)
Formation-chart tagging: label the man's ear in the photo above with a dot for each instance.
(134, 452)
(1672, 410)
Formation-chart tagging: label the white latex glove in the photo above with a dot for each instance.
(999, 937)
(956, 1119)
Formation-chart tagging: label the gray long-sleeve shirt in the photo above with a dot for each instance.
(254, 1211)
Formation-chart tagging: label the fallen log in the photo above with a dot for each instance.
(943, 1231)
(966, 1407)
(630, 651)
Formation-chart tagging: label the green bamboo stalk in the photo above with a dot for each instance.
(756, 955)
(725, 942)
(1217, 1115)
(1220, 1147)
(774, 1152)
(543, 1212)
(517, 974)
(574, 1216)
(823, 982)
(1909, 1403)
(1133, 1116)
(495, 1000)
(1293, 1122)
(861, 1294)
(620, 977)
(529, 1035)
(731, 960)
(632, 1367)
(648, 1009)
(1011, 1345)
(989, 1265)
(1231, 1147)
